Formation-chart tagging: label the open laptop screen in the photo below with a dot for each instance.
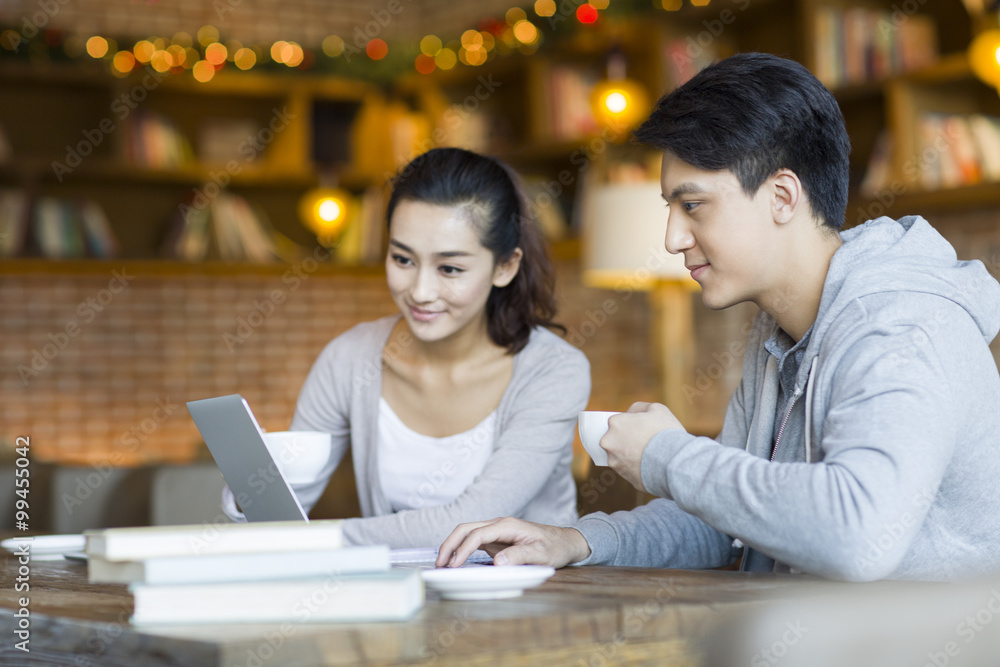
(237, 444)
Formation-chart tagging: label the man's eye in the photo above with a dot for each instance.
(690, 205)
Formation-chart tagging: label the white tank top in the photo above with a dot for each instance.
(418, 470)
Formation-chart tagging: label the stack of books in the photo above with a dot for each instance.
(268, 572)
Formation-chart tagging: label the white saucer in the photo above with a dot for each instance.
(46, 547)
(487, 582)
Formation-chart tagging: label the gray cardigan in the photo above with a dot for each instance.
(528, 475)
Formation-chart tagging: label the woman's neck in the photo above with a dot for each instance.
(468, 345)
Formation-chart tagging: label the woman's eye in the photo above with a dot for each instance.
(450, 270)
(402, 261)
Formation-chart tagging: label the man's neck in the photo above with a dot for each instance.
(794, 302)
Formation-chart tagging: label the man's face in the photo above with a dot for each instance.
(727, 238)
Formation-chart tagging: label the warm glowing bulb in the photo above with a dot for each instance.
(430, 45)
(377, 49)
(996, 56)
(445, 58)
(207, 34)
(471, 39)
(545, 8)
(425, 64)
(216, 53)
(616, 102)
(143, 50)
(124, 61)
(525, 32)
(514, 15)
(97, 47)
(278, 51)
(295, 55)
(203, 71)
(245, 58)
(329, 210)
(333, 45)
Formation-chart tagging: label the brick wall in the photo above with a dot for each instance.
(97, 368)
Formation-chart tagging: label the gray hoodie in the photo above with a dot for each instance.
(887, 420)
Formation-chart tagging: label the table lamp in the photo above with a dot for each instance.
(623, 227)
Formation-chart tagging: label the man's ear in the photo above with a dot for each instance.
(505, 272)
(787, 195)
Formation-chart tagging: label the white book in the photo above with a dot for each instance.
(389, 596)
(986, 133)
(118, 544)
(219, 568)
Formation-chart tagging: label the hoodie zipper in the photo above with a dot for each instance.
(795, 397)
(784, 422)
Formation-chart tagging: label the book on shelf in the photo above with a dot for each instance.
(986, 137)
(952, 151)
(568, 102)
(6, 152)
(683, 58)
(856, 44)
(13, 222)
(392, 595)
(248, 566)
(960, 150)
(153, 140)
(56, 235)
(221, 139)
(226, 226)
(879, 172)
(136, 543)
(101, 240)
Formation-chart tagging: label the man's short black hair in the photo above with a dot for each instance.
(754, 114)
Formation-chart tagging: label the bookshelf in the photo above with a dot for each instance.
(515, 107)
(140, 146)
(886, 106)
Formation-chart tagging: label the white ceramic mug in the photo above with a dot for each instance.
(593, 425)
(299, 455)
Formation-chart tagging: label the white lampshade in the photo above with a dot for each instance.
(624, 225)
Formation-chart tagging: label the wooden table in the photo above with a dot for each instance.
(580, 613)
(582, 616)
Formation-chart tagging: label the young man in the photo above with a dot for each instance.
(864, 440)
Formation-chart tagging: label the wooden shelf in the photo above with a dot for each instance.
(169, 267)
(913, 202)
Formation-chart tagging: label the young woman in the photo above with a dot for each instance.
(463, 407)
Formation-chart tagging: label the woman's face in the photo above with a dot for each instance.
(439, 273)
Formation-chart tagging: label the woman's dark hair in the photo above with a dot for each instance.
(754, 114)
(497, 207)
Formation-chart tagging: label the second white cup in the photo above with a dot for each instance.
(593, 424)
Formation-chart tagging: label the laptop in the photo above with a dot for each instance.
(236, 442)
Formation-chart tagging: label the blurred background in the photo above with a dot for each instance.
(192, 198)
